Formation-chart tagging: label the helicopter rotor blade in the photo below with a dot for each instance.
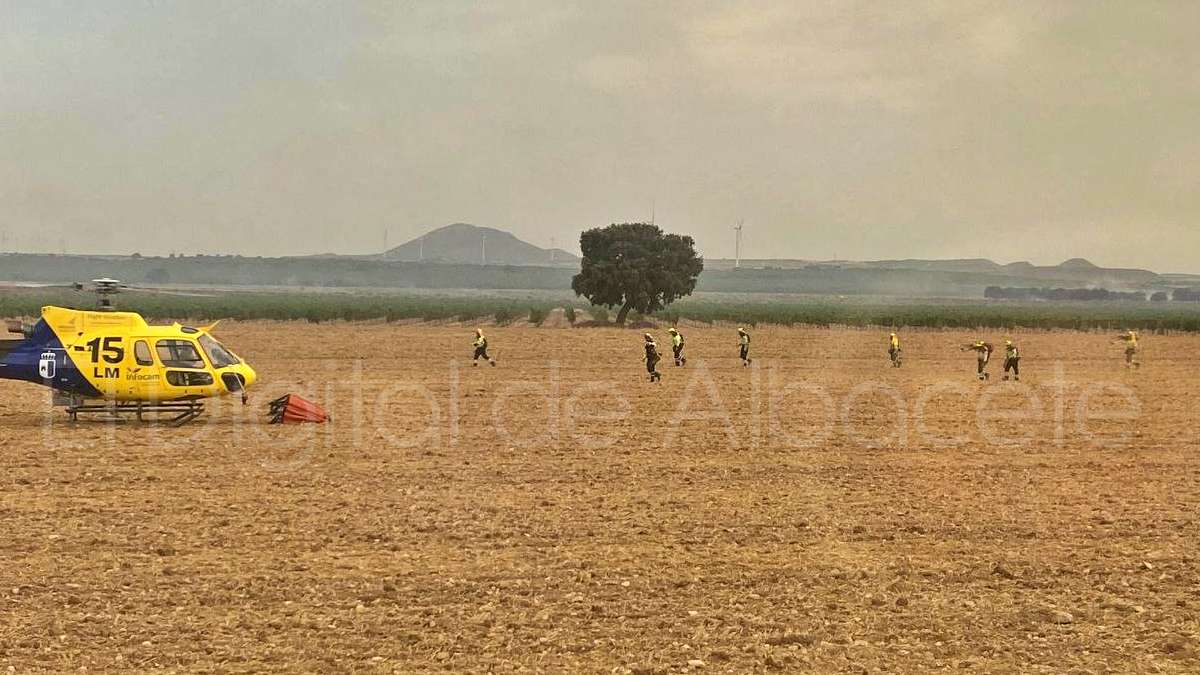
(106, 287)
(36, 285)
(164, 291)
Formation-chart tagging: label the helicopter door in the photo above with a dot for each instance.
(184, 365)
(144, 377)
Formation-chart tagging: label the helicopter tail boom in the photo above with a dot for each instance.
(41, 358)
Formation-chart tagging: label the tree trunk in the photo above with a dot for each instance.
(624, 313)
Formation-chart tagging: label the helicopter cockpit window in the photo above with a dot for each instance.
(141, 352)
(179, 354)
(217, 353)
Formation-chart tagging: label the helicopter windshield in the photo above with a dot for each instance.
(217, 354)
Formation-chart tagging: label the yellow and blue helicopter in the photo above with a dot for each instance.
(113, 363)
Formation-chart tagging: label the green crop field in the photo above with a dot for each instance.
(508, 306)
(312, 307)
(831, 311)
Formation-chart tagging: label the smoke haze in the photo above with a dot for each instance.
(1012, 131)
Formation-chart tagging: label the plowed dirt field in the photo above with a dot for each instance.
(819, 511)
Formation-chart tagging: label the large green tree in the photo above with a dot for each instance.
(636, 266)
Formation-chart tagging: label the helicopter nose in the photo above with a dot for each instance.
(239, 378)
(250, 376)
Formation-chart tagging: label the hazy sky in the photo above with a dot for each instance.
(1038, 130)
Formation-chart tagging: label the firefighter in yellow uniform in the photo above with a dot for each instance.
(481, 345)
(983, 353)
(1130, 338)
(677, 346)
(1012, 360)
(652, 358)
(894, 350)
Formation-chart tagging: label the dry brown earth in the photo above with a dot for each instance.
(818, 512)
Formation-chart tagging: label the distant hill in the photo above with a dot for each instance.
(1075, 272)
(462, 243)
(1078, 264)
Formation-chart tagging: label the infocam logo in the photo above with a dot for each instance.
(136, 375)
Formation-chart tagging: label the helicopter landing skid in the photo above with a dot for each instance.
(177, 413)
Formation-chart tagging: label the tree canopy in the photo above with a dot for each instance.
(636, 266)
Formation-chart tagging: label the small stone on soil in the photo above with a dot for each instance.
(1060, 617)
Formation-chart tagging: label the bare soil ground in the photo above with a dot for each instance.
(819, 511)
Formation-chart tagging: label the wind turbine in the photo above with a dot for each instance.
(737, 246)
